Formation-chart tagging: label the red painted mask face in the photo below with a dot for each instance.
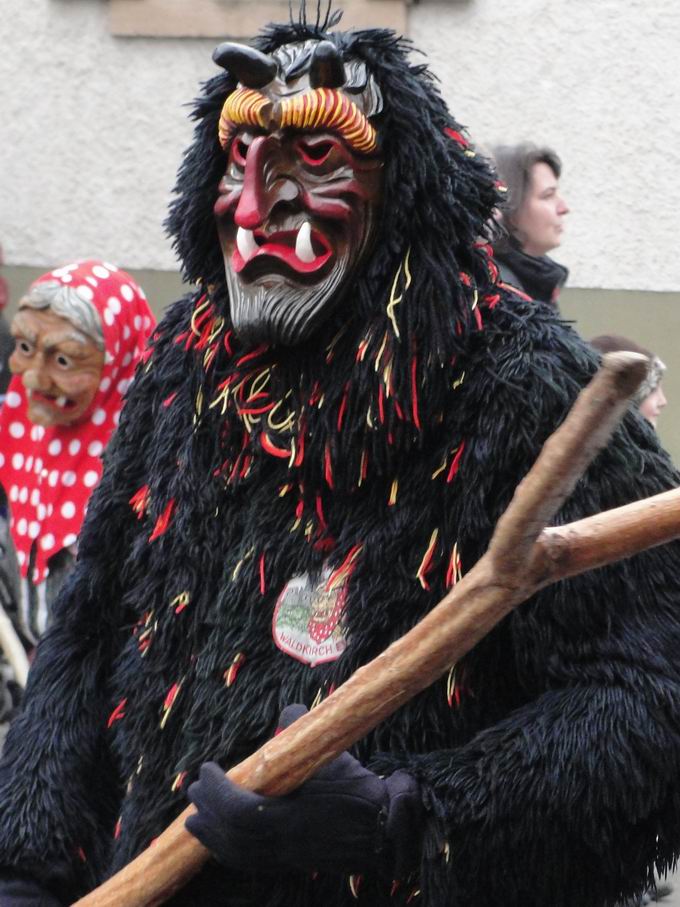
(296, 214)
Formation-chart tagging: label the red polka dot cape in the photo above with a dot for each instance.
(48, 473)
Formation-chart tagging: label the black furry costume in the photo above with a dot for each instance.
(549, 759)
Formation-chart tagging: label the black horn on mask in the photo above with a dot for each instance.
(251, 67)
(326, 69)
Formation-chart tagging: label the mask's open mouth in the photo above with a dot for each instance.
(59, 402)
(304, 251)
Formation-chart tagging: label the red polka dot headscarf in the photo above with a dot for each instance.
(48, 473)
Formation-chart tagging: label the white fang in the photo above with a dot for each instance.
(303, 243)
(246, 244)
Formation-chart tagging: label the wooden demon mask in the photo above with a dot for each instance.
(297, 206)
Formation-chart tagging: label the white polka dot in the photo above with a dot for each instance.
(17, 460)
(74, 446)
(68, 478)
(68, 510)
(91, 478)
(67, 278)
(117, 348)
(116, 417)
(137, 322)
(17, 430)
(127, 293)
(54, 447)
(2, 459)
(36, 575)
(104, 384)
(50, 509)
(29, 464)
(47, 541)
(42, 511)
(113, 302)
(43, 473)
(13, 399)
(92, 282)
(142, 293)
(126, 332)
(86, 293)
(99, 416)
(95, 448)
(100, 271)
(123, 385)
(109, 317)
(21, 557)
(53, 478)
(22, 526)
(127, 359)
(65, 269)
(38, 465)
(108, 358)
(37, 433)
(33, 530)
(70, 539)
(14, 493)
(107, 264)
(35, 497)
(23, 495)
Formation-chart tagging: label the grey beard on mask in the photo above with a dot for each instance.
(281, 313)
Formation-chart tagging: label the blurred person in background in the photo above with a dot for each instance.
(532, 220)
(650, 398)
(6, 342)
(79, 333)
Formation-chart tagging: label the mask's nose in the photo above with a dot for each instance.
(265, 184)
(36, 378)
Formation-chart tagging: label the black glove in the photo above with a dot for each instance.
(344, 819)
(18, 891)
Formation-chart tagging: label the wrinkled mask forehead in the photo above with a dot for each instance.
(297, 206)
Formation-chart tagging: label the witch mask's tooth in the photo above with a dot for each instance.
(303, 243)
(245, 243)
(62, 401)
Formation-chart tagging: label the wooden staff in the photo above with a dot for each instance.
(522, 558)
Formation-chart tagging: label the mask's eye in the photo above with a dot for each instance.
(315, 153)
(62, 360)
(239, 149)
(23, 346)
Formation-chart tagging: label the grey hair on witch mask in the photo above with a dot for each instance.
(67, 303)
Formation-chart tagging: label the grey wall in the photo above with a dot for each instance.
(94, 125)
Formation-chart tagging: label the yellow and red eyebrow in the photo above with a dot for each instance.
(316, 109)
(243, 107)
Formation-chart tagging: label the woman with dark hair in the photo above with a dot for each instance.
(531, 220)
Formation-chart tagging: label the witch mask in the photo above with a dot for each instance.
(59, 359)
(297, 206)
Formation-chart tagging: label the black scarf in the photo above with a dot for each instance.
(539, 276)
